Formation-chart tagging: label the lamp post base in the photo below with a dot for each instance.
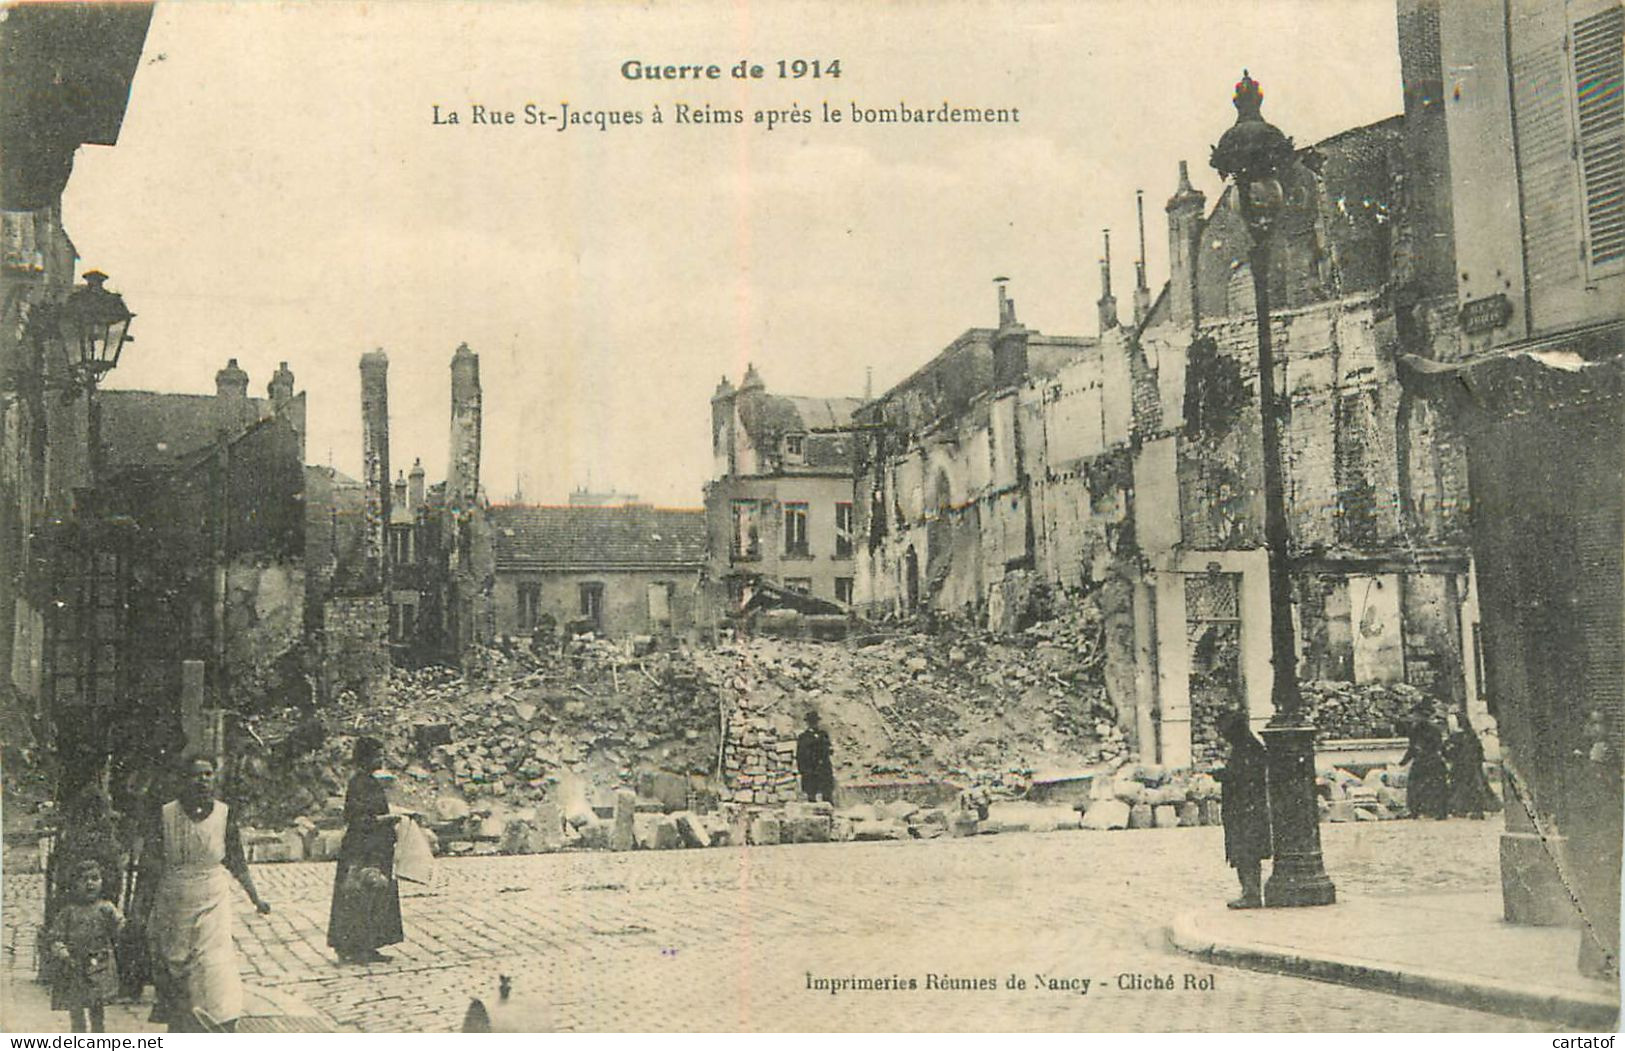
(1298, 876)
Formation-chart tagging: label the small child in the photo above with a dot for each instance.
(81, 937)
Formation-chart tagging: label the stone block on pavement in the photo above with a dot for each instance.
(523, 837)
(596, 834)
(874, 831)
(666, 836)
(626, 805)
(325, 844)
(810, 829)
(766, 831)
(1212, 812)
(1190, 814)
(1140, 815)
(293, 841)
(1106, 814)
(896, 810)
(1165, 816)
(689, 827)
(643, 830)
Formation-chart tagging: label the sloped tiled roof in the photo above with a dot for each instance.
(150, 429)
(636, 536)
(769, 417)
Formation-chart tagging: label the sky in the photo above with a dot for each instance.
(281, 192)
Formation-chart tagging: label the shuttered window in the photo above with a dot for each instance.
(1599, 64)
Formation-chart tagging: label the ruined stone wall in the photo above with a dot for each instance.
(265, 634)
(1035, 482)
(1349, 430)
(354, 645)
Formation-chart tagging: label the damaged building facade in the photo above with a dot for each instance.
(1129, 467)
(413, 576)
(779, 504)
(1538, 284)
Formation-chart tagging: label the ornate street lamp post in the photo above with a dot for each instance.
(89, 328)
(1254, 153)
(92, 325)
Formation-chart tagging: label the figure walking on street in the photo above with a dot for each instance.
(813, 762)
(195, 851)
(1427, 792)
(366, 912)
(1245, 807)
(1470, 794)
(82, 936)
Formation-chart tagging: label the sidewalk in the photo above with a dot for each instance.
(1450, 948)
(25, 1007)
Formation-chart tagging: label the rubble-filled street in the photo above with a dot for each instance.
(732, 938)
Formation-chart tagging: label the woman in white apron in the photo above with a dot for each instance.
(189, 925)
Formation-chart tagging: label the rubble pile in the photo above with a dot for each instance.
(593, 712)
(959, 704)
(1378, 796)
(1346, 710)
(551, 740)
(1146, 795)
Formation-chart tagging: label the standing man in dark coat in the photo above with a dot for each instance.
(1245, 807)
(813, 762)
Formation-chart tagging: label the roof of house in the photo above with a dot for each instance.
(768, 418)
(635, 536)
(150, 429)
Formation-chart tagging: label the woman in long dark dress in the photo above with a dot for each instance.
(1470, 794)
(1245, 807)
(1427, 792)
(366, 913)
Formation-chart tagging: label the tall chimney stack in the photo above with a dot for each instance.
(1108, 302)
(414, 487)
(1142, 292)
(375, 466)
(1185, 211)
(1009, 343)
(463, 466)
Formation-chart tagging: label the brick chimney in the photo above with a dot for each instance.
(233, 411)
(1107, 303)
(722, 432)
(375, 465)
(1009, 343)
(1142, 292)
(463, 467)
(280, 388)
(414, 486)
(1185, 220)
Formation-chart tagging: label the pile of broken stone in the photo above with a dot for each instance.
(666, 811)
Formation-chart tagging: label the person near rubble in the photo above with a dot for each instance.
(1244, 807)
(1470, 794)
(366, 911)
(191, 858)
(813, 762)
(1427, 790)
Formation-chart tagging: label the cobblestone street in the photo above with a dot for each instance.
(726, 939)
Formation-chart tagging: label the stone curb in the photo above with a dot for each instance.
(1577, 1010)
